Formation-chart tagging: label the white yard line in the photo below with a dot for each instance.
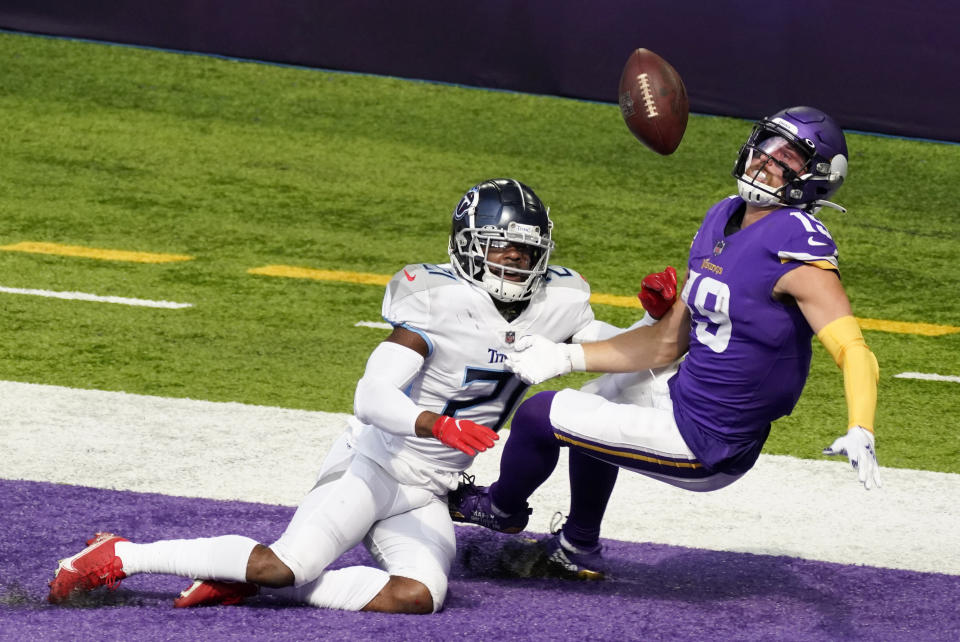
(785, 506)
(379, 325)
(84, 296)
(927, 376)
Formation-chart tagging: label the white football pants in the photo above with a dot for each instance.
(407, 529)
(627, 420)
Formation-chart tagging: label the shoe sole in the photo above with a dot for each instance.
(212, 600)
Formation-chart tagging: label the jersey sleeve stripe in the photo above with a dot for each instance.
(423, 335)
(824, 262)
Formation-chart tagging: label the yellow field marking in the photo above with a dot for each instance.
(906, 327)
(616, 300)
(321, 275)
(94, 253)
(898, 327)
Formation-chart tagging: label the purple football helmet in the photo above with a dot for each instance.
(820, 143)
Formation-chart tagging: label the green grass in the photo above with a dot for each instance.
(243, 165)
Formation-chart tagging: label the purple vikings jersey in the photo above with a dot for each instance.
(749, 354)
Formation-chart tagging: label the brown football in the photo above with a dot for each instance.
(653, 101)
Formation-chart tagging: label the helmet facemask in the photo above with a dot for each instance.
(814, 176)
(471, 252)
(761, 159)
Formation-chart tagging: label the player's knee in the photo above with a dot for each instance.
(533, 417)
(266, 569)
(409, 596)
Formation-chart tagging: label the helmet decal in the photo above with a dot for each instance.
(468, 204)
(790, 127)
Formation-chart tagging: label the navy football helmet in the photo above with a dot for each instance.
(493, 215)
(820, 143)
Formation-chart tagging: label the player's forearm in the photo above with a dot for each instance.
(844, 341)
(641, 348)
(424, 423)
(601, 330)
(596, 330)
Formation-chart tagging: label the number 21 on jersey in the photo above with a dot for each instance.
(709, 300)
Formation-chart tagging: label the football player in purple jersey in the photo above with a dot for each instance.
(762, 280)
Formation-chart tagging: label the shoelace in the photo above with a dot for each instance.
(556, 523)
(111, 573)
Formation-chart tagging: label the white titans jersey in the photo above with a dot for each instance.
(464, 375)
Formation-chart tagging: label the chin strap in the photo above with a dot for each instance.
(818, 204)
(504, 289)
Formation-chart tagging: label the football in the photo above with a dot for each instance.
(653, 101)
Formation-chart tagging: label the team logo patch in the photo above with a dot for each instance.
(467, 204)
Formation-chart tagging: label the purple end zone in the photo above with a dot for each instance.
(655, 591)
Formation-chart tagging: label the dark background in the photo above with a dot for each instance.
(875, 65)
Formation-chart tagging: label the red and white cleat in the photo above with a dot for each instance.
(96, 565)
(212, 593)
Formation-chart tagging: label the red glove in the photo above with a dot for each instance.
(658, 291)
(464, 434)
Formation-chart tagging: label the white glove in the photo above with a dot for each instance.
(857, 445)
(536, 359)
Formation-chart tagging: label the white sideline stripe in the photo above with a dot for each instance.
(380, 325)
(83, 296)
(785, 506)
(927, 376)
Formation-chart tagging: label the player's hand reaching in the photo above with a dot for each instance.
(858, 446)
(536, 359)
(463, 434)
(658, 292)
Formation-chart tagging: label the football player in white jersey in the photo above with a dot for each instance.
(433, 394)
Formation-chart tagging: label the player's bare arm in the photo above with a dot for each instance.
(409, 339)
(818, 293)
(642, 348)
(537, 359)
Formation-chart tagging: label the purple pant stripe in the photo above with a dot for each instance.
(635, 459)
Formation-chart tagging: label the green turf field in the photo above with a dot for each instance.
(242, 165)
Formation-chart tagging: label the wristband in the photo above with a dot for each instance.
(578, 360)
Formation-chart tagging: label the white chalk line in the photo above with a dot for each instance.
(927, 376)
(379, 325)
(84, 296)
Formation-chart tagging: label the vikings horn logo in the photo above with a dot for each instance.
(467, 204)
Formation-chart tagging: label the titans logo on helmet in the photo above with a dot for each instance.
(467, 204)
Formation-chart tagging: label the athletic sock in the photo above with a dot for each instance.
(529, 456)
(573, 548)
(215, 558)
(591, 484)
